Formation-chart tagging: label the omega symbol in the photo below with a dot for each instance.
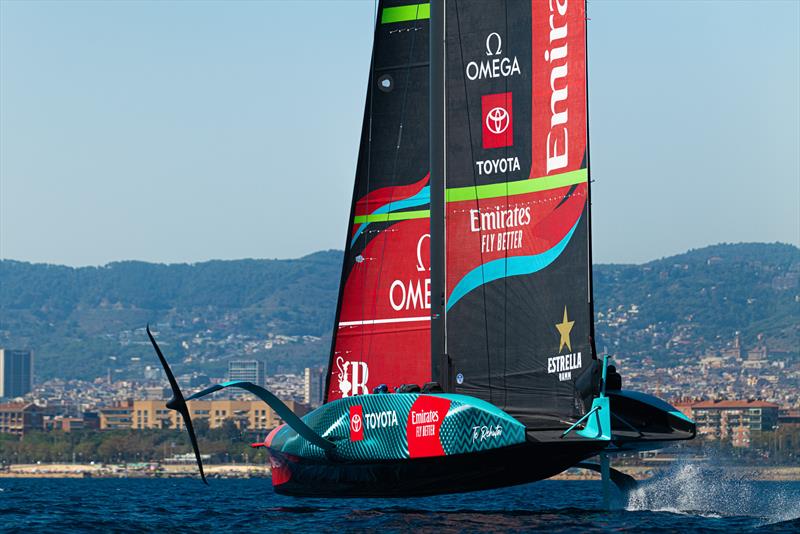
(499, 49)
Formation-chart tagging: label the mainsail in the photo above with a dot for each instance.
(516, 259)
(518, 274)
(382, 330)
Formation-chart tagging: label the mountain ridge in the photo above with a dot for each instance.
(82, 321)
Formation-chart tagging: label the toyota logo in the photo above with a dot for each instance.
(497, 120)
(355, 423)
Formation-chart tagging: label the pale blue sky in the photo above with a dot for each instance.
(185, 131)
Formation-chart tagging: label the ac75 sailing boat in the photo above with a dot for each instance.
(463, 354)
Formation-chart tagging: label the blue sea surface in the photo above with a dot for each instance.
(679, 502)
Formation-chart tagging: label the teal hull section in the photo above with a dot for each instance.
(401, 426)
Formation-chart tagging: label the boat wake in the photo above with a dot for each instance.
(702, 490)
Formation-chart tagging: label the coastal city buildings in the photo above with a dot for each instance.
(117, 416)
(19, 418)
(737, 392)
(152, 414)
(314, 385)
(735, 420)
(16, 373)
(245, 414)
(87, 421)
(247, 370)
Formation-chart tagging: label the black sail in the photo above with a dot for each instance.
(517, 269)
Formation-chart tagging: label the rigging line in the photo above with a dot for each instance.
(348, 265)
(443, 246)
(590, 295)
(403, 101)
(477, 203)
(505, 265)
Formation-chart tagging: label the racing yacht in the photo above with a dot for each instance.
(463, 354)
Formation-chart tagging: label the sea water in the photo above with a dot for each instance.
(687, 499)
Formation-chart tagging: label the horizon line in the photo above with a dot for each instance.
(340, 251)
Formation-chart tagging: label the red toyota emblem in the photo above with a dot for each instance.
(356, 423)
(498, 120)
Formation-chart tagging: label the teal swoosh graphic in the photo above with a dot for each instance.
(421, 198)
(503, 267)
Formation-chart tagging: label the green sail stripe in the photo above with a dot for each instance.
(388, 217)
(390, 15)
(457, 194)
(518, 187)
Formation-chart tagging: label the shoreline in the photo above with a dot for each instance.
(132, 471)
(639, 472)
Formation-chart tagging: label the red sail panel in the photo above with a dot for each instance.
(558, 69)
(382, 331)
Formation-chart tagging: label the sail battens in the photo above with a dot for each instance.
(519, 187)
(403, 66)
(410, 12)
(389, 217)
(385, 321)
(459, 194)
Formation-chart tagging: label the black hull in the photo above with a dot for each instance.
(508, 466)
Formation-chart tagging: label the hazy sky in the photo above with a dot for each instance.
(187, 131)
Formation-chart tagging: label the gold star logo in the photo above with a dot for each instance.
(564, 328)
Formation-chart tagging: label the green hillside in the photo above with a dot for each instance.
(694, 302)
(83, 321)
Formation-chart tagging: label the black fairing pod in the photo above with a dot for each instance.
(587, 385)
(638, 417)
